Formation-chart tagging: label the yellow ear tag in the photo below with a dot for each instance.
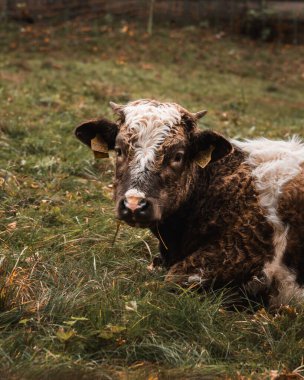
(99, 147)
(204, 157)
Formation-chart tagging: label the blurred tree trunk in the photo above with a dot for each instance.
(150, 18)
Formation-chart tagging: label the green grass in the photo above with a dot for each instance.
(72, 304)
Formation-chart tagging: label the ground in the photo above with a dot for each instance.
(74, 304)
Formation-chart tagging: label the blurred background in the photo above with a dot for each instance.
(264, 19)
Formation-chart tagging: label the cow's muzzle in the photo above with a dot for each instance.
(136, 210)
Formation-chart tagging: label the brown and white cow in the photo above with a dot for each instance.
(224, 211)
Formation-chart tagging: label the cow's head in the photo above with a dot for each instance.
(159, 150)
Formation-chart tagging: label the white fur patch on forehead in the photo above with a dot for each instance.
(146, 116)
(149, 122)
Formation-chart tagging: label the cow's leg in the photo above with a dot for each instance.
(205, 268)
(190, 271)
(196, 272)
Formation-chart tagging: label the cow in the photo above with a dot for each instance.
(224, 211)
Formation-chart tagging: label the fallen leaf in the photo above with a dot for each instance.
(64, 336)
(11, 226)
(24, 321)
(131, 306)
(110, 330)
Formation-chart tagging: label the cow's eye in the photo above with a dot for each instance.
(178, 158)
(118, 152)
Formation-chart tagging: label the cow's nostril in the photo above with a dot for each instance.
(142, 204)
(123, 207)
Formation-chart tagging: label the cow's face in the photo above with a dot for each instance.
(158, 151)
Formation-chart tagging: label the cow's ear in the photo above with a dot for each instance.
(209, 146)
(99, 135)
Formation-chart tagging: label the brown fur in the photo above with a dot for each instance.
(291, 211)
(229, 236)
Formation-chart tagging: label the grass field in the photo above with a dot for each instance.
(73, 305)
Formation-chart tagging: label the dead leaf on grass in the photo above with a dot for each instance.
(110, 330)
(11, 226)
(64, 336)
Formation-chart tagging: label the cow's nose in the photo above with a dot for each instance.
(133, 203)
